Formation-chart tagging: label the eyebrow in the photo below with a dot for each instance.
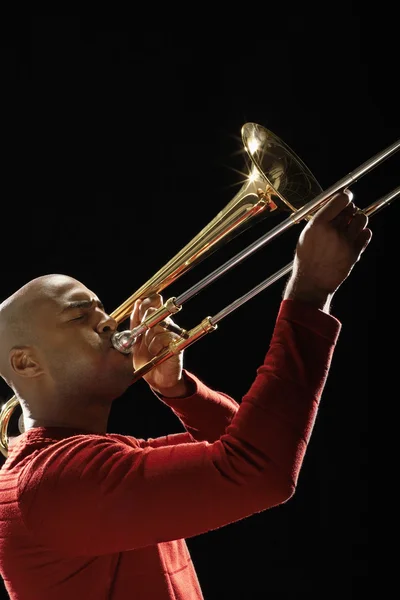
(82, 304)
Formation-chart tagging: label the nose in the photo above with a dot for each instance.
(106, 323)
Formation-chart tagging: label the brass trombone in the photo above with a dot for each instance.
(278, 181)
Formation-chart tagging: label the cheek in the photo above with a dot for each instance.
(77, 368)
(83, 352)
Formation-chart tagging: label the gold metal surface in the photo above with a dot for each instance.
(5, 414)
(206, 326)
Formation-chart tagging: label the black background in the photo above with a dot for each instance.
(121, 140)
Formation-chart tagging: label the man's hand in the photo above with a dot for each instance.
(167, 378)
(327, 250)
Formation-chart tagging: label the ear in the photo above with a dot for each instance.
(24, 363)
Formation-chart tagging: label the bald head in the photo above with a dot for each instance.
(56, 350)
(56, 354)
(23, 311)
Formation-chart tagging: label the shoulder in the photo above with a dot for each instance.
(61, 461)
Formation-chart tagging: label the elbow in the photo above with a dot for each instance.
(286, 493)
(283, 491)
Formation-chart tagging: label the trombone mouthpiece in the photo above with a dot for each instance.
(122, 341)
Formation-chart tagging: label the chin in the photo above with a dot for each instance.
(108, 384)
(108, 391)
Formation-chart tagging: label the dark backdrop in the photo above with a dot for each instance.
(121, 140)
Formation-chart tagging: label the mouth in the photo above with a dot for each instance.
(121, 353)
(120, 342)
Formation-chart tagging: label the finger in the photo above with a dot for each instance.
(166, 325)
(161, 341)
(153, 301)
(356, 225)
(153, 330)
(362, 241)
(169, 325)
(156, 332)
(138, 316)
(344, 218)
(140, 340)
(135, 318)
(333, 207)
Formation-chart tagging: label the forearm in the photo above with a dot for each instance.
(284, 398)
(183, 388)
(205, 413)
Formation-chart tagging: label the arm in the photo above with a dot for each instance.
(104, 496)
(323, 259)
(205, 413)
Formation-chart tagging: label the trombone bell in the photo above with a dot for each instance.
(289, 181)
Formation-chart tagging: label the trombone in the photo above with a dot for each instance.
(278, 181)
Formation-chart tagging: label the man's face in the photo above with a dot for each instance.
(74, 342)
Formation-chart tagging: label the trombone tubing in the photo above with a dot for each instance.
(121, 312)
(297, 216)
(211, 323)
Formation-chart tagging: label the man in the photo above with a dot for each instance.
(95, 515)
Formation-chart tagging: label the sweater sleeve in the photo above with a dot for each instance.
(97, 495)
(206, 413)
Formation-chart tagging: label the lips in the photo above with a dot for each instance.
(110, 346)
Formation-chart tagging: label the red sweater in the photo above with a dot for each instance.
(98, 517)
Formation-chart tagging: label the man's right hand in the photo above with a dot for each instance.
(327, 250)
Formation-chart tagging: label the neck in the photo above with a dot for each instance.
(89, 418)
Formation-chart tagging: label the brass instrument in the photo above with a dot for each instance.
(278, 181)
